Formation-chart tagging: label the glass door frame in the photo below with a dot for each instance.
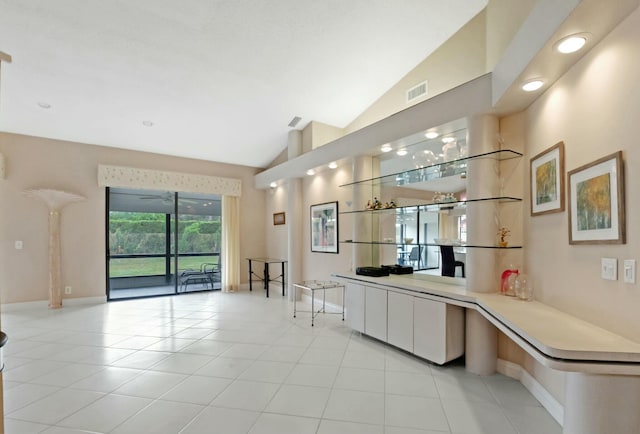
(171, 253)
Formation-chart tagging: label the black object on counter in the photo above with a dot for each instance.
(372, 271)
(398, 269)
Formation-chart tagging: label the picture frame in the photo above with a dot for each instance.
(597, 202)
(547, 181)
(324, 227)
(278, 218)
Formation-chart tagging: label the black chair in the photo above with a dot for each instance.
(449, 262)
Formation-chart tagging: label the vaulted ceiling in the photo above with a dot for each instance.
(216, 80)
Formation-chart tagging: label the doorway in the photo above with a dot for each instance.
(150, 234)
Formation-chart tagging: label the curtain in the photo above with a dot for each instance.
(230, 243)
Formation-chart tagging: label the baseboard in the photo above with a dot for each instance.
(25, 305)
(515, 371)
(84, 300)
(44, 304)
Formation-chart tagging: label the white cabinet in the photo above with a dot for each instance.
(375, 313)
(354, 306)
(433, 330)
(400, 320)
(438, 330)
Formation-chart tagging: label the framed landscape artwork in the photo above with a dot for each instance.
(596, 202)
(547, 181)
(324, 227)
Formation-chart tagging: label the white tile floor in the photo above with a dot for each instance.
(237, 363)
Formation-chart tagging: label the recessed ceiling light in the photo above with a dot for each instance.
(273, 184)
(448, 139)
(431, 135)
(571, 43)
(386, 147)
(402, 152)
(532, 85)
(44, 105)
(333, 165)
(311, 172)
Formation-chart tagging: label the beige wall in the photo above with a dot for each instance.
(503, 18)
(35, 162)
(458, 60)
(276, 235)
(593, 109)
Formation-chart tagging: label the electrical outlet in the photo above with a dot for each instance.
(18, 245)
(629, 271)
(67, 290)
(609, 269)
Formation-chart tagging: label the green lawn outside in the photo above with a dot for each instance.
(129, 267)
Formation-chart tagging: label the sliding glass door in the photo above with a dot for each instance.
(151, 234)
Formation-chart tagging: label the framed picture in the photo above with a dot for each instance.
(547, 181)
(324, 227)
(596, 202)
(278, 218)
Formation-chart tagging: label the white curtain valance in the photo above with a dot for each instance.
(131, 177)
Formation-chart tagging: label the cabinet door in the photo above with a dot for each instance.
(354, 306)
(438, 333)
(375, 313)
(400, 321)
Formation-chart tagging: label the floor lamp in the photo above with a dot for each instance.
(55, 200)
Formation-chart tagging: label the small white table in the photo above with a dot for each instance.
(313, 286)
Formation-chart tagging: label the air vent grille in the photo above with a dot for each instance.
(417, 91)
(295, 121)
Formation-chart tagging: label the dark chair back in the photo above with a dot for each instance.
(449, 262)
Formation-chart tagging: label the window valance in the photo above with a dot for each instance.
(131, 177)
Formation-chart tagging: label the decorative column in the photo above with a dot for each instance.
(364, 167)
(295, 204)
(596, 403)
(55, 200)
(481, 347)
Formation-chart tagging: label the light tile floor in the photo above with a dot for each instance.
(237, 363)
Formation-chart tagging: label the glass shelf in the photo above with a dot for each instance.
(436, 171)
(466, 246)
(437, 206)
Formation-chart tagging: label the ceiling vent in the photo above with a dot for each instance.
(295, 121)
(417, 91)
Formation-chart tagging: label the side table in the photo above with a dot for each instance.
(313, 286)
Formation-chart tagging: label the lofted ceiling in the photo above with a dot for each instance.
(216, 80)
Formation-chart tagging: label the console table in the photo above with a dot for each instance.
(266, 278)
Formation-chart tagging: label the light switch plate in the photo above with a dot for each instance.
(609, 269)
(18, 245)
(629, 271)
